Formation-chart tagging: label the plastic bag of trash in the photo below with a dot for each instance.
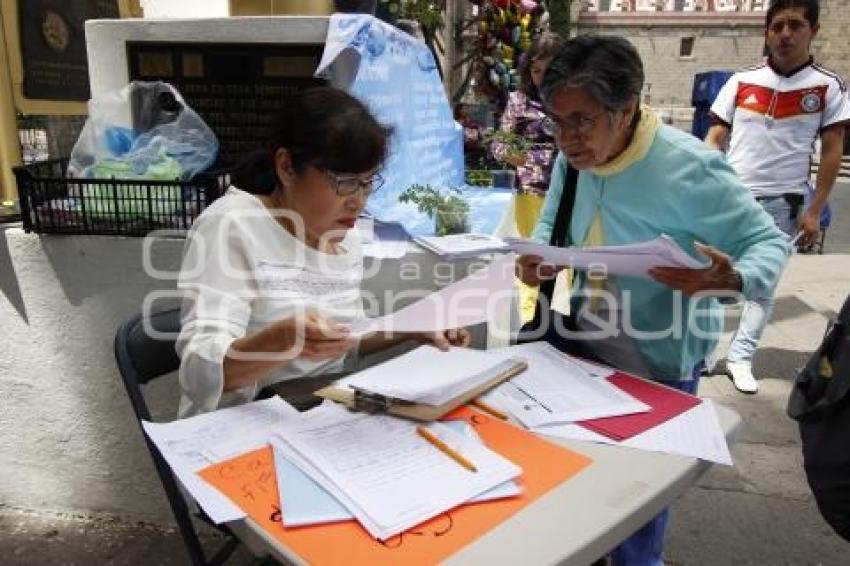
(143, 131)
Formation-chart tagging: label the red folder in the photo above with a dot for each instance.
(665, 404)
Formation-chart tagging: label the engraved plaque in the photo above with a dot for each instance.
(237, 89)
(53, 46)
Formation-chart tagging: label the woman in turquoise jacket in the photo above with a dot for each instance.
(639, 179)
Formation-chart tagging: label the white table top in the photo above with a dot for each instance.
(578, 521)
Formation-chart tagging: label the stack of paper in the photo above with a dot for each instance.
(632, 259)
(696, 433)
(557, 388)
(383, 472)
(305, 502)
(189, 445)
(666, 403)
(455, 246)
(430, 376)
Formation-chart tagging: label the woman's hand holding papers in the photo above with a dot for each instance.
(441, 339)
(310, 336)
(531, 270)
(318, 337)
(445, 338)
(719, 276)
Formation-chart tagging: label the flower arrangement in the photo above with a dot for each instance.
(515, 144)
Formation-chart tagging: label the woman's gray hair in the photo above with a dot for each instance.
(608, 68)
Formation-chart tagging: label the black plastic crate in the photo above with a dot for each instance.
(52, 203)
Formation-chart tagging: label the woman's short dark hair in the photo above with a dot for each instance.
(608, 68)
(811, 10)
(544, 47)
(324, 127)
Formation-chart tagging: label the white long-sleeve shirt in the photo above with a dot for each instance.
(242, 271)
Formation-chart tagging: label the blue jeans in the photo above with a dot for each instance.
(646, 546)
(756, 314)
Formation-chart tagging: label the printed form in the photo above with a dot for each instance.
(189, 445)
(304, 502)
(382, 471)
(557, 388)
(431, 376)
(695, 433)
(631, 259)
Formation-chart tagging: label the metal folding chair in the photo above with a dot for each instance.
(142, 358)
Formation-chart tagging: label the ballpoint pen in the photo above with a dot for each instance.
(445, 448)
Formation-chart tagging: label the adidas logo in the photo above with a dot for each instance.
(752, 99)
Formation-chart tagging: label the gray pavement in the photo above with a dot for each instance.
(761, 511)
(758, 512)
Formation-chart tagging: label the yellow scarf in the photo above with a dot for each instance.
(636, 150)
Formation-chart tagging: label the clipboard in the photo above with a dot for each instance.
(360, 400)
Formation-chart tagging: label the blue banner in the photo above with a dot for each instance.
(394, 74)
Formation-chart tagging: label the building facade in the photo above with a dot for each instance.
(679, 38)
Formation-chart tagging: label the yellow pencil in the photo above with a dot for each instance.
(489, 409)
(445, 448)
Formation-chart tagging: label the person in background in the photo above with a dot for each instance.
(770, 116)
(271, 271)
(524, 117)
(639, 179)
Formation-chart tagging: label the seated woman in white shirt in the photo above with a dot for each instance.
(272, 270)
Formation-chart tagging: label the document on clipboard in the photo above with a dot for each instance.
(425, 383)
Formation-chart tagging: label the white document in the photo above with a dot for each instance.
(383, 472)
(462, 245)
(389, 240)
(557, 388)
(631, 259)
(477, 298)
(304, 502)
(430, 376)
(695, 433)
(189, 445)
(380, 249)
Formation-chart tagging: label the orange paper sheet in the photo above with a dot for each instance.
(249, 480)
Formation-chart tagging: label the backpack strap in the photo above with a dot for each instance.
(560, 238)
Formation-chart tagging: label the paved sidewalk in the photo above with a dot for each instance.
(761, 511)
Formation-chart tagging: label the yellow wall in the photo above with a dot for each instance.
(10, 145)
(279, 7)
(12, 97)
(9, 11)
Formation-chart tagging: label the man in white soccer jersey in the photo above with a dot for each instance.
(774, 112)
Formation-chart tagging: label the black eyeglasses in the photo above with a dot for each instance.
(348, 185)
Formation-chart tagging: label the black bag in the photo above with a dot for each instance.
(820, 401)
(548, 325)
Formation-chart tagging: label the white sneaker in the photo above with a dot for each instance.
(742, 376)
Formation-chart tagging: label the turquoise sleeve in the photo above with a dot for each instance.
(543, 229)
(731, 220)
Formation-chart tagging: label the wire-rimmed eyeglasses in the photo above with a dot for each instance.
(348, 185)
(581, 125)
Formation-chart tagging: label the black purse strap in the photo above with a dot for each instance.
(560, 237)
